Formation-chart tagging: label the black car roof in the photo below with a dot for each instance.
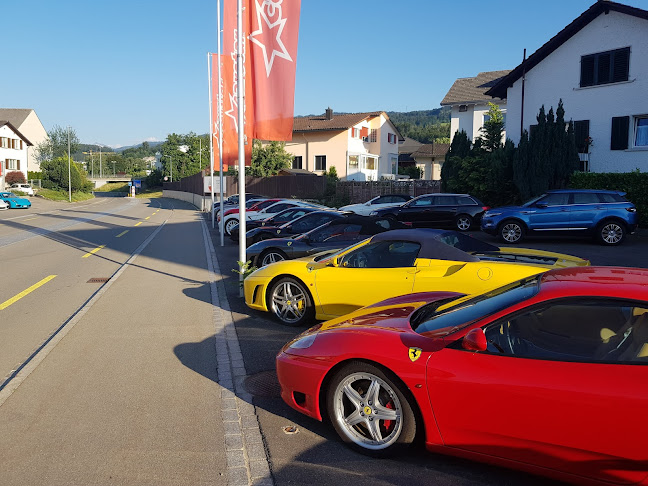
(369, 224)
(431, 247)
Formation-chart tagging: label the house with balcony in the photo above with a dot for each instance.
(27, 122)
(598, 66)
(13, 151)
(361, 146)
(469, 100)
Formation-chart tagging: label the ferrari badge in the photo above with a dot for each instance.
(414, 353)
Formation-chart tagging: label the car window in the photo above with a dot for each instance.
(383, 254)
(424, 201)
(592, 330)
(466, 243)
(607, 197)
(308, 223)
(445, 201)
(585, 198)
(280, 207)
(336, 232)
(264, 204)
(466, 201)
(557, 199)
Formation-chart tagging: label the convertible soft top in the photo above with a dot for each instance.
(431, 247)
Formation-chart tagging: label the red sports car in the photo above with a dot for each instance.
(547, 374)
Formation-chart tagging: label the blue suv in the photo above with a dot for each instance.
(606, 215)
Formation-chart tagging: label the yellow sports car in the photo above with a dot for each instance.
(388, 265)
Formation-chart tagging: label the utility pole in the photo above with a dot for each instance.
(69, 167)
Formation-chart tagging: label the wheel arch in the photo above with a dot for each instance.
(321, 398)
(525, 227)
(284, 275)
(609, 219)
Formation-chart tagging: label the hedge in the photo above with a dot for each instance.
(635, 184)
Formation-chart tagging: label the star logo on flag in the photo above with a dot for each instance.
(278, 26)
(230, 113)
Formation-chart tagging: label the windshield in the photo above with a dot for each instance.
(531, 201)
(451, 319)
(327, 255)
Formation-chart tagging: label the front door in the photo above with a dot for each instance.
(550, 213)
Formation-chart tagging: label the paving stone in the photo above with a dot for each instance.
(237, 477)
(233, 442)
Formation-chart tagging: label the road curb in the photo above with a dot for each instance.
(247, 460)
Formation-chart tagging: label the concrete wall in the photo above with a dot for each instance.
(558, 76)
(33, 129)
(203, 203)
(19, 155)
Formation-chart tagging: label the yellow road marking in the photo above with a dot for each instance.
(121, 234)
(153, 214)
(137, 224)
(93, 251)
(7, 303)
(147, 217)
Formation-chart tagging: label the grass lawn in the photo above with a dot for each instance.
(60, 195)
(113, 187)
(149, 193)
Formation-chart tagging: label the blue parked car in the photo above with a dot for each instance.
(606, 215)
(14, 201)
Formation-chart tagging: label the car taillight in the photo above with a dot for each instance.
(631, 210)
(485, 208)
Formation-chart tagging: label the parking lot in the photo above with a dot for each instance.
(315, 453)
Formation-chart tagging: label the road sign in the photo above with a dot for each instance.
(130, 183)
(137, 183)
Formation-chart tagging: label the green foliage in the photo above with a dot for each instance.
(547, 157)
(188, 153)
(155, 178)
(269, 159)
(15, 177)
(424, 126)
(34, 175)
(635, 184)
(56, 144)
(412, 171)
(459, 149)
(245, 269)
(491, 138)
(139, 152)
(55, 175)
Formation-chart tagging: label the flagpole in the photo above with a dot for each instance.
(211, 136)
(241, 130)
(221, 189)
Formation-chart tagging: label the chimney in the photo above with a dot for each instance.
(329, 113)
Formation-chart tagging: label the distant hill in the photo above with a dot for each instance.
(139, 145)
(422, 117)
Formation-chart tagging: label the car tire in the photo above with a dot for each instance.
(610, 233)
(376, 438)
(290, 302)
(511, 231)
(463, 222)
(271, 255)
(229, 225)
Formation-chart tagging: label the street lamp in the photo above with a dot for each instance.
(171, 159)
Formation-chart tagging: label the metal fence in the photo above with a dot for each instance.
(358, 192)
(299, 186)
(193, 184)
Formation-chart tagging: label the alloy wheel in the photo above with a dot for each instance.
(463, 223)
(611, 234)
(368, 411)
(511, 232)
(271, 257)
(289, 302)
(229, 226)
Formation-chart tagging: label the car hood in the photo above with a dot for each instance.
(285, 244)
(532, 257)
(390, 314)
(20, 200)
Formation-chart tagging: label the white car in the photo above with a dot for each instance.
(231, 220)
(3, 205)
(25, 188)
(378, 202)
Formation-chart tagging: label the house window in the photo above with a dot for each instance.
(486, 119)
(463, 108)
(355, 133)
(320, 162)
(605, 67)
(373, 136)
(620, 127)
(12, 164)
(353, 162)
(4, 142)
(297, 162)
(641, 131)
(370, 163)
(391, 138)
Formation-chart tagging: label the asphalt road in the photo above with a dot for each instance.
(315, 455)
(106, 394)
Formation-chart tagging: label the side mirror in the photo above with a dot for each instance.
(475, 340)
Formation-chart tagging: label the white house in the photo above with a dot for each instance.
(598, 66)
(361, 146)
(13, 151)
(469, 103)
(26, 120)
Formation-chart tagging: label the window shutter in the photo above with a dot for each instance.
(18, 164)
(621, 67)
(603, 69)
(364, 132)
(581, 133)
(620, 127)
(587, 71)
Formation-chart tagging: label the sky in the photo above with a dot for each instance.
(121, 72)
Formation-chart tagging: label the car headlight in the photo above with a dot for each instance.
(303, 342)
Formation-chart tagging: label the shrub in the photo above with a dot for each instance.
(635, 184)
(412, 171)
(15, 177)
(55, 175)
(34, 175)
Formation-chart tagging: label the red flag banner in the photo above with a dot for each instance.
(274, 30)
(231, 85)
(215, 59)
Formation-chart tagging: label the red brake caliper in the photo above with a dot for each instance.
(388, 423)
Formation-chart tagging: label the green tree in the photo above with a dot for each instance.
(56, 144)
(491, 132)
(55, 175)
(269, 159)
(459, 149)
(188, 153)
